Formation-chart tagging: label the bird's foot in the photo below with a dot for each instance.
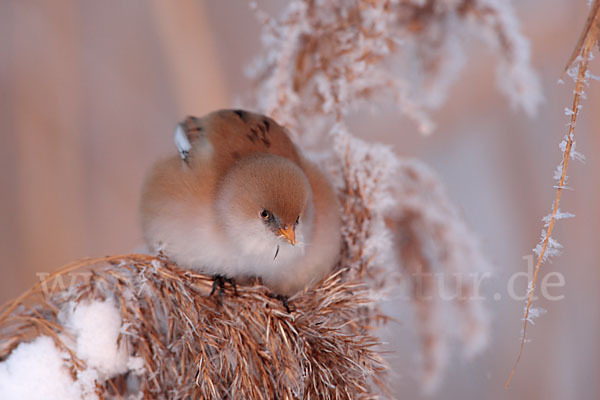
(219, 281)
(284, 300)
(163, 257)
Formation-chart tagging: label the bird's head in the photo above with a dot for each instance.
(262, 201)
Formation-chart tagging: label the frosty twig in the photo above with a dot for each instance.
(578, 65)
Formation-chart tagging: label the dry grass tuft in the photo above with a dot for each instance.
(194, 347)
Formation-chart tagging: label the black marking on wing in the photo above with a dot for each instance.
(259, 134)
(264, 129)
(267, 125)
(253, 135)
(242, 114)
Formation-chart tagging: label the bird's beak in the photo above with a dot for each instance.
(287, 231)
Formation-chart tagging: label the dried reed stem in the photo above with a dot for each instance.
(581, 57)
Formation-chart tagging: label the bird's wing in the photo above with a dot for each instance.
(229, 135)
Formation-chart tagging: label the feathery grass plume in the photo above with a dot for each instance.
(436, 248)
(365, 171)
(323, 58)
(577, 69)
(178, 342)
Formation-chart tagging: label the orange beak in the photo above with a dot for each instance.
(287, 232)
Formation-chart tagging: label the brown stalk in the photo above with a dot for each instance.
(581, 56)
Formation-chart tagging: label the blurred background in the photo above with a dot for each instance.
(90, 94)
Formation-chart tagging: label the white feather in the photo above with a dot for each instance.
(182, 142)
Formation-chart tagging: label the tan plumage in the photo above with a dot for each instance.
(242, 203)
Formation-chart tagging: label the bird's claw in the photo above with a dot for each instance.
(220, 281)
(284, 300)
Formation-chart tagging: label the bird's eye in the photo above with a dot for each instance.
(264, 214)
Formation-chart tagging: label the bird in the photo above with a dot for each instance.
(240, 201)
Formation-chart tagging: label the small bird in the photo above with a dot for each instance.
(241, 202)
